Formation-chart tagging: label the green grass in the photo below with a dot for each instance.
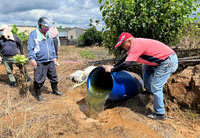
(87, 54)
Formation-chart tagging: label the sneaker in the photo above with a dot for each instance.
(157, 116)
(57, 64)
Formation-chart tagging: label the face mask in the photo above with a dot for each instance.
(1, 33)
(45, 29)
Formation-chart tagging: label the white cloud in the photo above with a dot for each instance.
(70, 13)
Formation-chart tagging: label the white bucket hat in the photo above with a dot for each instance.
(7, 32)
(3, 26)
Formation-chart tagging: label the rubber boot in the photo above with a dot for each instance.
(54, 87)
(37, 92)
(12, 84)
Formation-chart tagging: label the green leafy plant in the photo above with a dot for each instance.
(14, 29)
(162, 20)
(22, 36)
(21, 60)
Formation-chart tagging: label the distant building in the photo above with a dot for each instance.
(62, 31)
(67, 36)
(75, 32)
(26, 29)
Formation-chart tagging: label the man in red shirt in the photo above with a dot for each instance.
(159, 62)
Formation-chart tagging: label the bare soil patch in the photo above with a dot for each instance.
(62, 116)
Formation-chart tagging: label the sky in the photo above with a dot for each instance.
(68, 13)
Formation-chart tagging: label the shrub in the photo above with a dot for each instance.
(91, 37)
(162, 20)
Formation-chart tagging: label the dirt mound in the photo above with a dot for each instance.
(63, 116)
(184, 87)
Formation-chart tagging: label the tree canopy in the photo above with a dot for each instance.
(162, 20)
(91, 36)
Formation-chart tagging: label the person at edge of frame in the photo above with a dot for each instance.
(54, 34)
(9, 45)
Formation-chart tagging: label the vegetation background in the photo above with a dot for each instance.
(165, 20)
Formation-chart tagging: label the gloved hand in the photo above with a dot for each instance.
(22, 55)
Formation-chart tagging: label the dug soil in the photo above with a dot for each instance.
(64, 116)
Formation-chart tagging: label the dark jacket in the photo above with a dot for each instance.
(10, 47)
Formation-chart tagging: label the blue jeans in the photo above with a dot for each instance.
(156, 76)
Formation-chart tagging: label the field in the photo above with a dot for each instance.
(63, 116)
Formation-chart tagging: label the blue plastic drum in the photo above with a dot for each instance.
(118, 85)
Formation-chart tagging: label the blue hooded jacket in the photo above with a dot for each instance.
(40, 48)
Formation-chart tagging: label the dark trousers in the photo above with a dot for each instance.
(43, 70)
(55, 41)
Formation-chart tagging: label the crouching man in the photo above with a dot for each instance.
(43, 57)
(159, 62)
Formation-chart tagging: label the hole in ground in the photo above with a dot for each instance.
(83, 107)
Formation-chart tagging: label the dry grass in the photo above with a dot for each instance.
(60, 116)
(25, 117)
(189, 42)
(74, 53)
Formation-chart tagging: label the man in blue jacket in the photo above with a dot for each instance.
(43, 57)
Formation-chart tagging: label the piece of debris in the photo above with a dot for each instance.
(80, 76)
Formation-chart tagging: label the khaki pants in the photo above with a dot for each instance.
(8, 62)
